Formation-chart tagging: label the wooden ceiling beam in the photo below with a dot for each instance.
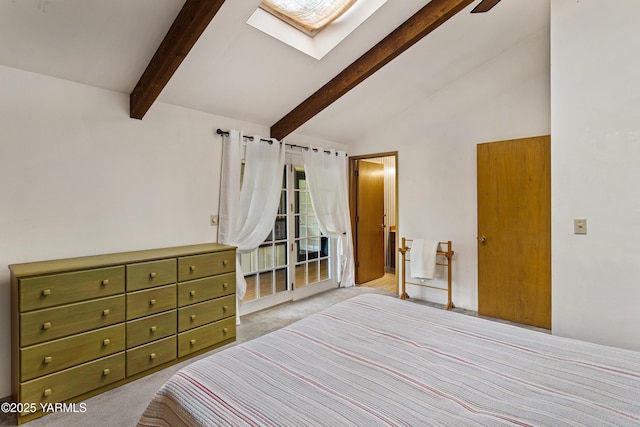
(423, 22)
(484, 6)
(188, 26)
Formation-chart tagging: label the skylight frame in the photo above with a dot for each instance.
(310, 29)
(320, 45)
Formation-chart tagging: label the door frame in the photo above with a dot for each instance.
(353, 199)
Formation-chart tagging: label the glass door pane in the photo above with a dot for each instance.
(311, 247)
(266, 268)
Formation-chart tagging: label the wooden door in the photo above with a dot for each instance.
(514, 230)
(369, 221)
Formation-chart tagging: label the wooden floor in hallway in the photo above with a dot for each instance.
(388, 282)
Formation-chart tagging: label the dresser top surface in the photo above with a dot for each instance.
(97, 261)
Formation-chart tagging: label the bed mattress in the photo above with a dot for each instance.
(376, 360)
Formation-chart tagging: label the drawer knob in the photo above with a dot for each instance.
(225, 285)
(225, 330)
(225, 262)
(152, 275)
(153, 329)
(106, 312)
(152, 356)
(192, 268)
(47, 360)
(192, 293)
(106, 342)
(46, 325)
(105, 282)
(152, 302)
(106, 372)
(225, 307)
(47, 392)
(192, 342)
(193, 317)
(46, 292)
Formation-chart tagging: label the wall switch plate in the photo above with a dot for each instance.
(214, 220)
(579, 226)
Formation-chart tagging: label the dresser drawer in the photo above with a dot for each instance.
(53, 356)
(151, 355)
(206, 336)
(200, 290)
(57, 289)
(194, 267)
(72, 382)
(200, 314)
(51, 323)
(151, 301)
(150, 274)
(151, 328)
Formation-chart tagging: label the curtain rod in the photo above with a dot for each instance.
(250, 138)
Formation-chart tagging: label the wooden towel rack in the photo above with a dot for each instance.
(448, 254)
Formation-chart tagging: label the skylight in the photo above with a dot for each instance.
(309, 16)
(328, 22)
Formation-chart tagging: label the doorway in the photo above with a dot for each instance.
(514, 230)
(374, 213)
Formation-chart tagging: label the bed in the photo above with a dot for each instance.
(376, 360)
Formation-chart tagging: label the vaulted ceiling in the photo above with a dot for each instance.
(236, 71)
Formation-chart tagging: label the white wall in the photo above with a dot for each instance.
(507, 97)
(595, 152)
(79, 177)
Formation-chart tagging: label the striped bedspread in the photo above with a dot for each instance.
(376, 360)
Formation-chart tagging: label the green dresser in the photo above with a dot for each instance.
(81, 326)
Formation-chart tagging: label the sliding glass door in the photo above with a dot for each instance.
(295, 260)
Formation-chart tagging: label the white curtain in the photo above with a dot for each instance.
(248, 204)
(326, 175)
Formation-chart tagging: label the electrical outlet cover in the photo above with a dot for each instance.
(579, 226)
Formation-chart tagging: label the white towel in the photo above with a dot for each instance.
(423, 258)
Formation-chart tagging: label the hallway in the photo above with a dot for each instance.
(387, 282)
